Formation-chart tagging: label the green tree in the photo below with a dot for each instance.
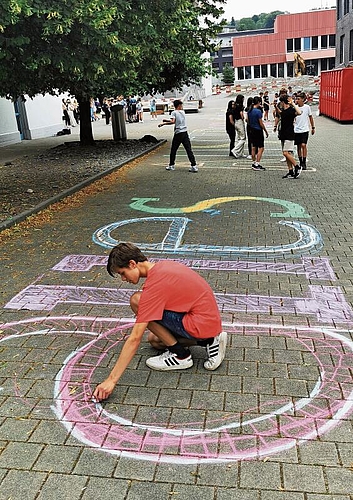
(228, 74)
(258, 21)
(98, 47)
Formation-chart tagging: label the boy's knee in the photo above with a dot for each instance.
(134, 301)
(155, 342)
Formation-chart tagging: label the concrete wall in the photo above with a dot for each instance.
(9, 133)
(44, 115)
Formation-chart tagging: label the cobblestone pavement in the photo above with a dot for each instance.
(274, 422)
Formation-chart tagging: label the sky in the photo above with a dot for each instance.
(239, 9)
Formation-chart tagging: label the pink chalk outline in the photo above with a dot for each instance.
(293, 423)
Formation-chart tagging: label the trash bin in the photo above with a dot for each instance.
(118, 122)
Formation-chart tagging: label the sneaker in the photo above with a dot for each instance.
(283, 158)
(297, 171)
(194, 168)
(216, 352)
(170, 167)
(169, 361)
(304, 167)
(249, 157)
(289, 175)
(257, 167)
(260, 167)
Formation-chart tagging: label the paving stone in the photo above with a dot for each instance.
(281, 495)
(232, 493)
(20, 455)
(328, 497)
(304, 478)
(176, 473)
(319, 453)
(20, 484)
(21, 428)
(148, 491)
(175, 398)
(260, 475)
(225, 475)
(105, 489)
(95, 463)
(185, 492)
(340, 480)
(128, 468)
(70, 486)
(57, 459)
(51, 432)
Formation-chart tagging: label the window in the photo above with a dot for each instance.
(324, 64)
(331, 63)
(256, 71)
(264, 73)
(332, 41)
(341, 49)
(351, 46)
(280, 70)
(273, 70)
(290, 69)
(241, 73)
(290, 45)
(247, 72)
(339, 9)
(345, 7)
(314, 43)
(324, 41)
(307, 43)
(297, 44)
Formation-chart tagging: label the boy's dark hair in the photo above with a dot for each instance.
(121, 255)
(284, 98)
(257, 100)
(177, 103)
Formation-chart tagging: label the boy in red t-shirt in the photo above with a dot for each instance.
(178, 307)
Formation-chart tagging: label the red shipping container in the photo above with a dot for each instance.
(336, 94)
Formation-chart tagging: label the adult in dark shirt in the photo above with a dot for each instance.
(257, 129)
(238, 114)
(288, 111)
(230, 126)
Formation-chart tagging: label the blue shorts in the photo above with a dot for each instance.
(173, 321)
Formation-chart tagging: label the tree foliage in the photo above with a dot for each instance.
(228, 74)
(98, 47)
(258, 21)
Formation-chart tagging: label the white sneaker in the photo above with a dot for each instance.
(169, 361)
(194, 168)
(283, 159)
(249, 157)
(170, 167)
(216, 352)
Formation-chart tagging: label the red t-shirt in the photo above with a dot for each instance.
(175, 287)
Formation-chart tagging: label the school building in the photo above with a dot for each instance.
(311, 34)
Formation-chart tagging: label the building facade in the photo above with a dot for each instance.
(344, 53)
(310, 34)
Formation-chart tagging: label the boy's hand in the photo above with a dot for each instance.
(103, 390)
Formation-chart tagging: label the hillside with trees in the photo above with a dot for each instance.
(257, 21)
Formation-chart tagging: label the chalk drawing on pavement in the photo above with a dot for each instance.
(309, 240)
(293, 210)
(289, 422)
(311, 267)
(327, 304)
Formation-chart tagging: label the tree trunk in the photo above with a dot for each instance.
(86, 134)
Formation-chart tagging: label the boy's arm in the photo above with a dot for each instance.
(311, 119)
(171, 121)
(104, 390)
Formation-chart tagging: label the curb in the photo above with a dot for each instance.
(44, 204)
